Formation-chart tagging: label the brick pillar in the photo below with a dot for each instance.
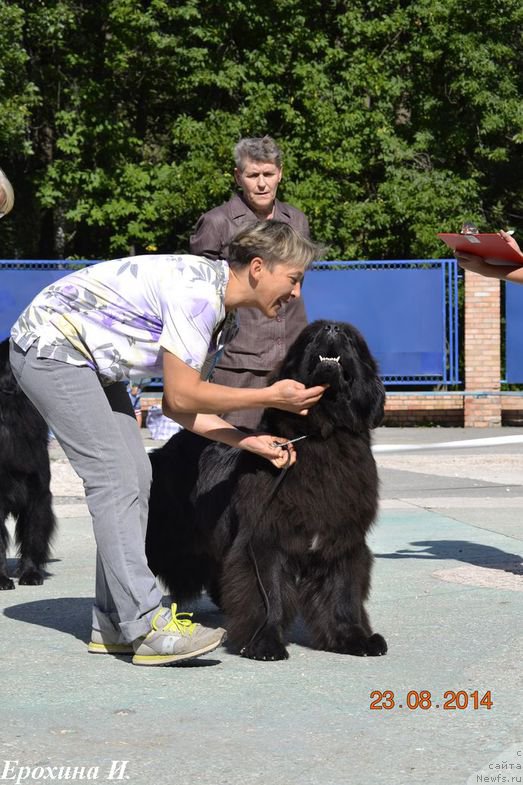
(482, 401)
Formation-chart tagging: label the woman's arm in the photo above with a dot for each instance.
(213, 427)
(195, 404)
(184, 392)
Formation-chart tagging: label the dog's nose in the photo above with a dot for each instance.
(332, 329)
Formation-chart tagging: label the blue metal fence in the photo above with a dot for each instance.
(21, 281)
(407, 310)
(513, 333)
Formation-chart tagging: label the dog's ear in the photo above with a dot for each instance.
(376, 407)
(366, 404)
(368, 391)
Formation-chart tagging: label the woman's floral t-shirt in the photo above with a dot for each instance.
(119, 316)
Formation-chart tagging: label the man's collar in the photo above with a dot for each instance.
(280, 208)
(239, 208)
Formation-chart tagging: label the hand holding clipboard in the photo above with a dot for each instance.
(497, 249)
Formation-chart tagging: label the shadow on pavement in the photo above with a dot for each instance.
(461, 550)
(71, 615)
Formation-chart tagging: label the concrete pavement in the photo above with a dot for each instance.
(447, 595)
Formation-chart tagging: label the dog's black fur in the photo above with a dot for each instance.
(217, 520)
(24, 480)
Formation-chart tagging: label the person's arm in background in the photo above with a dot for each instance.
(208, 238)
(476, 264)
(303, 228)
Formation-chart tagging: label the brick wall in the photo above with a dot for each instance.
(482, 404)
(512, 410)
(403, 409)
(449, 409)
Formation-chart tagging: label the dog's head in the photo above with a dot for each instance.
(335, 353)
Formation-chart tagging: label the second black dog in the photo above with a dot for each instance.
(24, 480)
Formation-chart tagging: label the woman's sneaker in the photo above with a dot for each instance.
(108, 643)
(173, 638)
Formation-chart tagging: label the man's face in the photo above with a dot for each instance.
(259, 181)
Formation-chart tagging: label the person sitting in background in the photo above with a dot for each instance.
(261, 343)
(160, 427)
(135, 394)
(7, 196)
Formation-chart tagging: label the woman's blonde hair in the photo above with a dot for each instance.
(7, 195)
(276, 243)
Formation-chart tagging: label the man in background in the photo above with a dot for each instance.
(261, 343)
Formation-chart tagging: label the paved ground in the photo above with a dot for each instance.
(447, 595)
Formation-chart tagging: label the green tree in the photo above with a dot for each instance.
(397, 119)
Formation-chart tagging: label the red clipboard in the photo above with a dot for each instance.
(491, 247)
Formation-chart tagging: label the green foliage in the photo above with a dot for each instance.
(397, 119)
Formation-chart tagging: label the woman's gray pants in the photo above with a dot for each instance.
(98, 432)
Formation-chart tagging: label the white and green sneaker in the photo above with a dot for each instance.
(174, 638)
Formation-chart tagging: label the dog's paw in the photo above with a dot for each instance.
(376, 645)
(6, 583)
(355, 646)
(358, 643)
(269, 650)
(31, 577)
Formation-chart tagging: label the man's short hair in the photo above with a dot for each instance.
(257, 148)
(276, 243)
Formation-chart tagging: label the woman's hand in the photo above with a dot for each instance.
(510, 240)
(476, 264)
(263, 445)
(292, 396)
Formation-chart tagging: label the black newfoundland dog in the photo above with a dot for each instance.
(24, 480)
(268, 544)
